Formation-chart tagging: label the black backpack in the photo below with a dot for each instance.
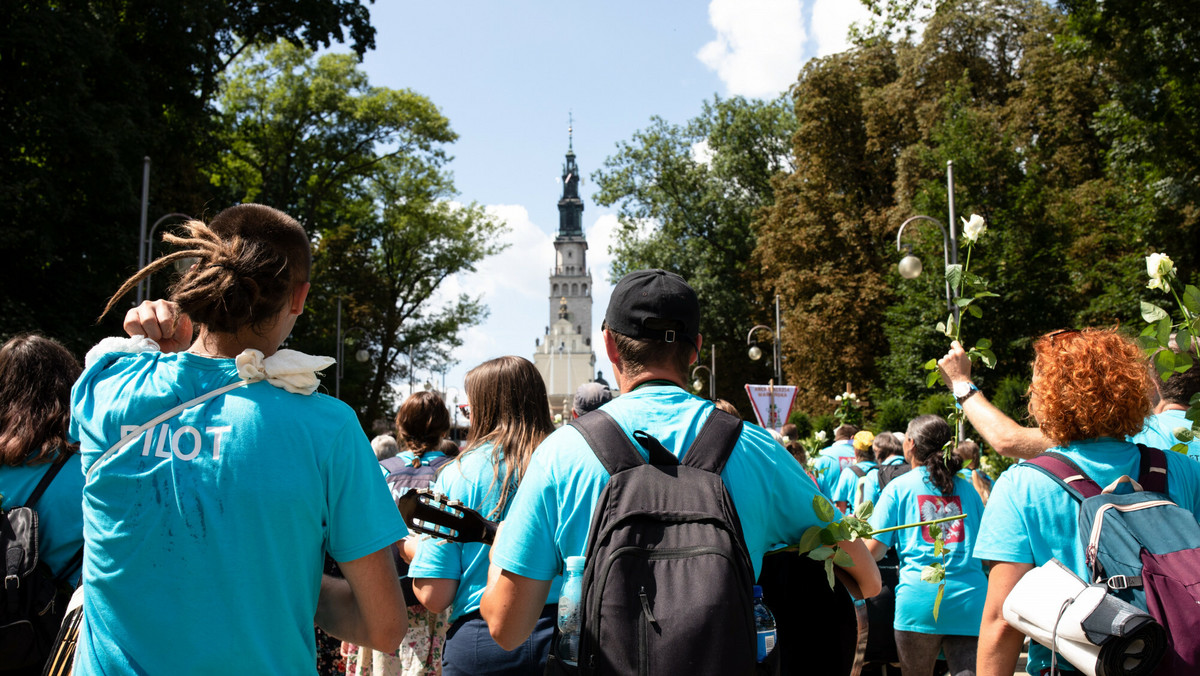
(32, 600)
(888, 472)
(668, 584)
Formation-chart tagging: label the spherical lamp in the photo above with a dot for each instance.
(755, 352)
(697, 385)
(362, 355)
(910, 267)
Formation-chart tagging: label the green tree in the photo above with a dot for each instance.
(87, 90)
(687, 195)
(364, 169)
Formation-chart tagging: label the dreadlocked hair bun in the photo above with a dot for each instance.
(249, 258)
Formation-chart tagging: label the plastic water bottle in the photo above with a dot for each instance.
(764, 625)
(569, 610)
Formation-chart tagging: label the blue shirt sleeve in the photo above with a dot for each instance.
(362, 517)
(886, 515)
(1003, 534)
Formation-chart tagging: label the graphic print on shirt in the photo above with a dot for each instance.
(845, 461)
(939, 507)
(184, 443)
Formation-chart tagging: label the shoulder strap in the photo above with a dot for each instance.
(47, 478)
(167, 415)
(1067, 474)
(858, 471)
(608, 441)
(715, 442)
(1152, 472)
(393, 464)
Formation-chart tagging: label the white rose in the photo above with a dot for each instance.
(974, 228)
(853, 396)
(838, 398)
(1160, 268)
(819, 436)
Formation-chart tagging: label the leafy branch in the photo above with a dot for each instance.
(1155, 340)
(821, 543)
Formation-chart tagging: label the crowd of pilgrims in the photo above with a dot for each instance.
(287, 469)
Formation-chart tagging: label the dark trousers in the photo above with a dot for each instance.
(470, 650)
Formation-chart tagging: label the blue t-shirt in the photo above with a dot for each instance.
(829, 465)
(60, 509)
(846, 489)
(552, 512)
(1159, 432)
(910, 498)
(870, 482)
(206, 535)
(470, 480)
(1031, 519)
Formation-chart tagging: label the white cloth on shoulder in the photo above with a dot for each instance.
(291, 370)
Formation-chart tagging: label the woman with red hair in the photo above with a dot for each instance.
(1091, 390)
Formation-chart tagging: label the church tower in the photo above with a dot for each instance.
(564, 355)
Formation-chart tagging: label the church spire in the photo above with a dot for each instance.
(570, 207)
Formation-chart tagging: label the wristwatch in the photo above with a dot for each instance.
(963, 390)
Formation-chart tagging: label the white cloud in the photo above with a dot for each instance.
(830, 24)
(702, 153)
(759, 47)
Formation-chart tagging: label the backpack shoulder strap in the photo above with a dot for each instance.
(1152, 473)
(608, 441)
(47, 478)
(1067, 474)
(858, 471)
(393, 464)
(714, 442)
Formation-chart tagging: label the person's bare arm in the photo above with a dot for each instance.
(367, 607)
(877, 549)
(435, 593)
(1004, 434)
(162, 322)
(999, 643)
(511, 606)
(864, 571)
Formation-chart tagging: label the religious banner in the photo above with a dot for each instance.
(772, 404)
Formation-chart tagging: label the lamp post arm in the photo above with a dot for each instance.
(946, 255)
(750, 336)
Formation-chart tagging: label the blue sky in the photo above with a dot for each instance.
(507, 74)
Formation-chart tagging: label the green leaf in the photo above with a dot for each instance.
(843, 558)
(983, 344)
(1180, 448)
(937, 600)
(864, 510)
(821, 553)
(829, 572)
(828, 539)
(932, 378)
(933, 574)
(987, 294)
(837, 531)
(1164, 331)
(941, 327)
(1152, 313)
(963, 302)
(935, 531)
(811, 539)
(974, 311)
(1149, 343)
(1191, 299)
(939, 547)
(931, 365)
(988, 357)
(1183, 338)
(1150, 330)
(1183, 362)
(1194, 400)
(954, 275)
(1164, 363)
(823, 508)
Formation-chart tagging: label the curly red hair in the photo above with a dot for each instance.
(1088, 384)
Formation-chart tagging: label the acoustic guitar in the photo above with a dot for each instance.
(820, 630)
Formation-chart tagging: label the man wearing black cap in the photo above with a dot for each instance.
(651, 336)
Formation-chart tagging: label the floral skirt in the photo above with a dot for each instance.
(419, 655)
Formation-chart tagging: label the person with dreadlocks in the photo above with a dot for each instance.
(217, 478)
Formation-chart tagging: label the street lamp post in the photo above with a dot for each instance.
(910, 266)
(146, 252)
(361, 355)
(755, 351)
(698, 384)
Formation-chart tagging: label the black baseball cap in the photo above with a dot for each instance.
(654, 305)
